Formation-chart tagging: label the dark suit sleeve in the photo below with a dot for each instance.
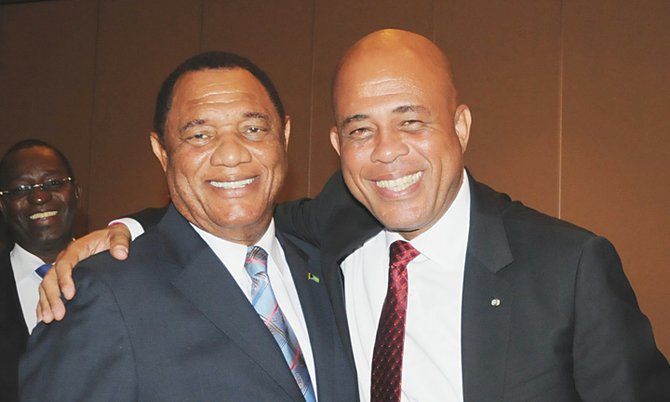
(85, 357)
(148, 217)
(313, 220)
(615, 355)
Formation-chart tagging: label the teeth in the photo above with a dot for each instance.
(227, 185)
(41, 215)
(401, 183)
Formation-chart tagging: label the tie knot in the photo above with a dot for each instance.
(401, 253)
(256, 261)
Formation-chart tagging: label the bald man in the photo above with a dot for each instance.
(446, 289)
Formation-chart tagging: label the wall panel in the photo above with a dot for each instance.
(505, 57)
(137, 48)
(46, 80)
(616, 138)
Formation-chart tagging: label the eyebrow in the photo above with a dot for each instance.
(409, 108)
(356, 117)
(397, 110)
(192, 123)
(257, 115)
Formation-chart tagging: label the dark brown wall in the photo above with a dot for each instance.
(569, 98)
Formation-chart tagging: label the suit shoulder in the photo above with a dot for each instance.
(145, 253)
(529, 226)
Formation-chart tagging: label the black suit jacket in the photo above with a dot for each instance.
(568, 326)
(13, 330)
(171, 324)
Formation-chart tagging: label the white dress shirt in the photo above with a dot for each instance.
(27, 282)
(432, 368)
(232, 255)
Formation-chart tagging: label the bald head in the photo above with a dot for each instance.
(400, 131)
(391, 51)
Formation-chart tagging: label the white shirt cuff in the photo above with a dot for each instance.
(133, 226)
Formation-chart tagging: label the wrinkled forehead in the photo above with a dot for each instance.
(220, 85)
(220, 90)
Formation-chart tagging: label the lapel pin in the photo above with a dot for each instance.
(312, 277)
(495, 302)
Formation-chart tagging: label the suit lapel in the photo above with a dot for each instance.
(208, 285)
(487, 300)
(315, 308)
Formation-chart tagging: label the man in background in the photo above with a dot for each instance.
(38, 200)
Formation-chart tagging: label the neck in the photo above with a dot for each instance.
(46, 252)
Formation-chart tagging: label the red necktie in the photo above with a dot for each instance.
(390, 341)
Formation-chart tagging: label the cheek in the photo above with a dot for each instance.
(273, 159)
(353, 158)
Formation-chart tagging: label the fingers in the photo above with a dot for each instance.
(50, 306)
(119, 239)
(59, 279)
(47, 318)
(63, 267)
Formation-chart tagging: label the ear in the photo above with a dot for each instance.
(462, 121)
(287, 131)
(77, 195)
(159, 150)
(335, 139)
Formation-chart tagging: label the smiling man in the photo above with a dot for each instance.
(486, 299)
(446, 289)
(38, 199)
(214, 304)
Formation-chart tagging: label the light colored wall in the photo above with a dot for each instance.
(569, 98)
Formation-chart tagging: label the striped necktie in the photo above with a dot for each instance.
(264, 301)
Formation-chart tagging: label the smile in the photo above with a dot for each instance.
(400, 183)
(42, 215)
(230, 185)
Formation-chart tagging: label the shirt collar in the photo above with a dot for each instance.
(233, 254)
(23, 262)
(449, 235)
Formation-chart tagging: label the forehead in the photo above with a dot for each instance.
(403, 76)
(33, 161)
(219, 90)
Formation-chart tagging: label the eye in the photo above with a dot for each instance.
(21, 190)
(412, 125)
(18, 192)
(199, 138)
(53, 184)
(360, 133)
(255, 130)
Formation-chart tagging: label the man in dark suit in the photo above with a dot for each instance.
(504, 303)
(498, 302)
(206, 308)
(39, 200)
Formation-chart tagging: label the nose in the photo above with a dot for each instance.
(389, 146)
(230, 151)
(38, 196)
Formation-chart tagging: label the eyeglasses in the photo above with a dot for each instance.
(51, 185)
